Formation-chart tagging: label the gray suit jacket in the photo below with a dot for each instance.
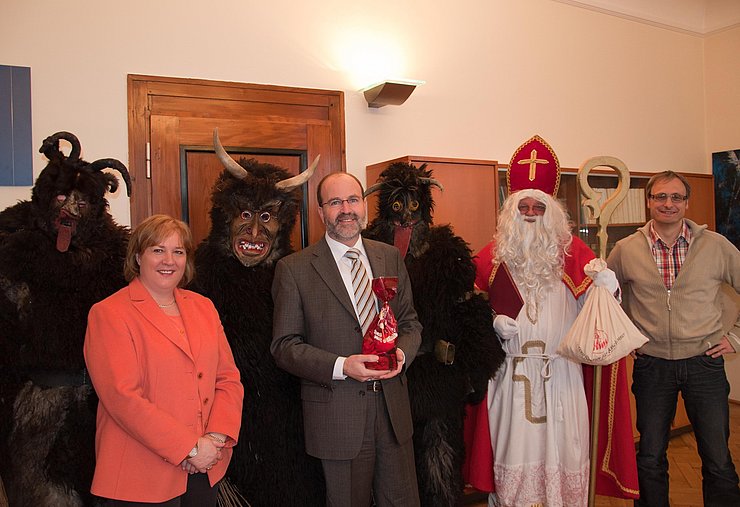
(314, 323)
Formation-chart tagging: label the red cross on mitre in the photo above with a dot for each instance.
(534, 165)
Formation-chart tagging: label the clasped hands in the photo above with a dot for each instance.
(354, 367)
(209, 453)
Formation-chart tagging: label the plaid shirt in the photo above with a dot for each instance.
(670, 258)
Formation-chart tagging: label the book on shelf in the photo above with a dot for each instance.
(639, 201)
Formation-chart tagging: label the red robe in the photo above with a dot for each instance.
(617, 468)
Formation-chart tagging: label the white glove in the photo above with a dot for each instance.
(602, 275)
(505, 326)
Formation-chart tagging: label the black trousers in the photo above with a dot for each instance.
(198, 494)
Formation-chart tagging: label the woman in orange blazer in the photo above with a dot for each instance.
(170, 396)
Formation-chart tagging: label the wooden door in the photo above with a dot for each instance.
(171, 160)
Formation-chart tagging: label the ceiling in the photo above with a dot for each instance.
(697, 17)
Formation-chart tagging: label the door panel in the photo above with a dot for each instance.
(285, 126)
(186, 106)
(233, 132)
(165, 166)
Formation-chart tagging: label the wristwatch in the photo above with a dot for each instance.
(193, 452)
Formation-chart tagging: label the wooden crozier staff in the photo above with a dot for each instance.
(602, 215)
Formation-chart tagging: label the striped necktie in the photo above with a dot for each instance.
(364, 299)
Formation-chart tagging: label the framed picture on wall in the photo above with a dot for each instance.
(726, 171)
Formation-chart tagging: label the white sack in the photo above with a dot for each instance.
(602, 333)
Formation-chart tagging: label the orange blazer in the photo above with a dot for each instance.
(159, 391)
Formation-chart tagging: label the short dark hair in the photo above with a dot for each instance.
(153, 231)
(667, 176)
(321, 184)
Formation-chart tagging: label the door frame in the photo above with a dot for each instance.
(143, 89)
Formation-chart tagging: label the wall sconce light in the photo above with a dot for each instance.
(393, 93)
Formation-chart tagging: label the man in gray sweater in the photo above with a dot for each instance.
(672, 270)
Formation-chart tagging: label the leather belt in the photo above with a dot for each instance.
(374, 386)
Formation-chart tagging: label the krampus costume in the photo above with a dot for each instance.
(60, 253)
(459, 350)
(254, 208)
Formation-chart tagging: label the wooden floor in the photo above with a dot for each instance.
(684, 469)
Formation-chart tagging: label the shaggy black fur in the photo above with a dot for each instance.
(270, 465)
(442, 277)
(47, 407)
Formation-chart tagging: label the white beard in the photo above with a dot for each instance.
(533, 257)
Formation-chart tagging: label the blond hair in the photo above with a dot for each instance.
(153, 231)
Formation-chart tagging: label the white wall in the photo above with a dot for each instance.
(722, 85)
(696, 16)
(497, 71)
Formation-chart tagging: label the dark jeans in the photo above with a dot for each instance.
(703, 384)
(199, 493)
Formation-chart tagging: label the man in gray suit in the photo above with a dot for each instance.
(356, 420)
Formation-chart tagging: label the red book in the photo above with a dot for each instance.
(503, 294)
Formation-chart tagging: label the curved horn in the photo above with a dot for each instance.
(299, 179)
(50, 146)
(374, 188)
(229, 163)
(432, 183)
(112, 163)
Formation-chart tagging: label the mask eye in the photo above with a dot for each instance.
(414, 205)
(265, 216)
(247, 215)
(397, 206)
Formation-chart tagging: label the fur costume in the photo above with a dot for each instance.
(60, 253)
(252, 214)
(442, 277)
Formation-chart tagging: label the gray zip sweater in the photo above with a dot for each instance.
(685, 321)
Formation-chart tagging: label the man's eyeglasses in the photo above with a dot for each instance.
(675, 198)
(538, 208)
(337, 203)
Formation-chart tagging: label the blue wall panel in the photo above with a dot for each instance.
(16, 150)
